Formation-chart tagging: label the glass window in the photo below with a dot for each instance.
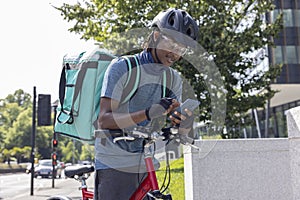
(288, 4)
(298, 54)
(274, 14)
(297, 17)
(294, 73)
(291, 36)
(288, 18)
(278, 55)
(291, 55)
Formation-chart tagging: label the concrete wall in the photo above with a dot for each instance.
(266, 169)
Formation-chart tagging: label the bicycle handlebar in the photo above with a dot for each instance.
(123, 138)
(169, 133)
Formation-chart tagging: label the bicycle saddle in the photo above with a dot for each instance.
(79, 170)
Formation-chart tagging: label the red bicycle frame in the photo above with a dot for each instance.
(86, 194)
(148, 184)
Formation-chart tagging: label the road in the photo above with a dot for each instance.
(17, 186)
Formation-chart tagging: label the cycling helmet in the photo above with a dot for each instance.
(176, 20)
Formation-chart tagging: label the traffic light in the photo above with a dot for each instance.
(54, 160)
(54, 143)
(44, 110)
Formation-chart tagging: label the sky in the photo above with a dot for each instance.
(33, 40)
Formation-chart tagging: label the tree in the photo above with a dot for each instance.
(87, 152)
(6, 155)
(16, 124)
(27, 153)
(12, 106)
(20, 97)
(17, 152)
(18, 135)
(70, 152)
(231, 31)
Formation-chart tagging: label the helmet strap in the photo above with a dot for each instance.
(155, 50)
(158, 60)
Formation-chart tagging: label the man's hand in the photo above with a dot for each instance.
(184, 122)
(163, 107)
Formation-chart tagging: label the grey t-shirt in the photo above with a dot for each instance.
(126, 154)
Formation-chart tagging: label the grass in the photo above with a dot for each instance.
(176, 187)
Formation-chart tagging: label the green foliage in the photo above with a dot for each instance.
(14, 115)
(20, 131)
(87, 152)
(21, 153)
(70, 152)
(20, 97)
(73, 151)
(231, 31)
(176, 187)
(16, 133)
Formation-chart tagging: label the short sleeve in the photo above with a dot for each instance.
(114, 79)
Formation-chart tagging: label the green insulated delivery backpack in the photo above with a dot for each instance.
(80, 89)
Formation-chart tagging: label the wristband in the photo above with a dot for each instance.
(147, 114)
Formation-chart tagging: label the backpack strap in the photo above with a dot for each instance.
(133, 78)
(166, 84)
(62, 85)
(65, 114)
(79, 82)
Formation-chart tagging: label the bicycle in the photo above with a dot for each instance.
(149, 186)
(80, 173)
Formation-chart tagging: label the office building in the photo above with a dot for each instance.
(287, 53)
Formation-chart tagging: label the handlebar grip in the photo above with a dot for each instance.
(123, 138)
(186, 140)
(103, 133)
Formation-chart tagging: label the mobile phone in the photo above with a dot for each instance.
(190, 104)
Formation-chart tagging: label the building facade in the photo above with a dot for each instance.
(272, 119)
(287, 50)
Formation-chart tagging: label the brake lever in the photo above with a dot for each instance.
(185, 140)
(123, 138)
(193, 146)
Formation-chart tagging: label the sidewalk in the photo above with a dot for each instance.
(70, 188)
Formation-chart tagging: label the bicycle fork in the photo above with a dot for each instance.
(149, 186)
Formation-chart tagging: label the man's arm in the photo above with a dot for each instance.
(109, 119)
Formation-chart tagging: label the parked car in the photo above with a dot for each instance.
(45, 168)
(62, 165)
(84, 162)
(28, 168)
(68, 164)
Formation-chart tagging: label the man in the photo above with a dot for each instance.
(118, 165)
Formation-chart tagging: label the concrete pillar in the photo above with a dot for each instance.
(293, 124)
(254, 169)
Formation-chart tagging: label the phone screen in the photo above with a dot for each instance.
(189, 104)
